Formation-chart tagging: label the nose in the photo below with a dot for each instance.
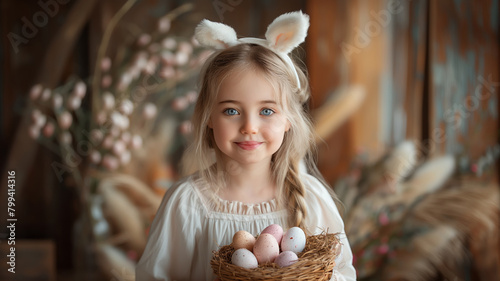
(249, 126)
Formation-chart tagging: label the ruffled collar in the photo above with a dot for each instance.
(216, 204)
(237, 207)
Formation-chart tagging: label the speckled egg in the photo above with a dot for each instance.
(275, 230)
(243, 239)
(244, 258)
(293, 240)
(266, 248)
(286, 258)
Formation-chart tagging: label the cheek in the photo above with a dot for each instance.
(222, 129)
(278, 125)
(276, 128)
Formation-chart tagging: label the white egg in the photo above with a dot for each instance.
(244, 258)
(293, 240)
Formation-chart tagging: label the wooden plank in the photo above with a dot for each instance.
(463, 96)
(348, 45)
(417, 37)
(465, 75)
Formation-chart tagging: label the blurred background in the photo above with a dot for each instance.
(96, 98)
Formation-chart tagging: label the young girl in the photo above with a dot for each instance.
(252, 139)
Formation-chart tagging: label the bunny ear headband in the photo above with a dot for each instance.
(283, 35)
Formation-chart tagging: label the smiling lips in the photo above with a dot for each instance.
(248, 145)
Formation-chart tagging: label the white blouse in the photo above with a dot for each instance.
(187, 228)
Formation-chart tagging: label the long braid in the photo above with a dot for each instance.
(295, 191)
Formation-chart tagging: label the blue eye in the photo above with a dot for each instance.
(267, 112)
(231, 111)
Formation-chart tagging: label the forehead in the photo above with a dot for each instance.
(247, 85)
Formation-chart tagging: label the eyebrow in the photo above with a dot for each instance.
(237, 102)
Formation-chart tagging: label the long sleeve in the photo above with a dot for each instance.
(171, 242)
(324, 215)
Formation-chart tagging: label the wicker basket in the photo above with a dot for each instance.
(316, 262)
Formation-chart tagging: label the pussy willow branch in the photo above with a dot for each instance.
(104, 46)
(107, 36)
(178, 11)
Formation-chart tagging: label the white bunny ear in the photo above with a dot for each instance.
(214, 34)
(287, 31)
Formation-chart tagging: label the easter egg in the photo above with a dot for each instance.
(275, 230)
(266, 248)
(286, 258)
(243, 239)
(244, 258)
(293, 240)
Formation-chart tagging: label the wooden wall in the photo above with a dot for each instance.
(420, 63)
(348, 47)
(464, 76)
(430, 70)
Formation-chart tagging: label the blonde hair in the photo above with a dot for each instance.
(298, 142)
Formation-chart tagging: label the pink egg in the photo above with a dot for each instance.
(286, 258)
(266, 248)
(275, 230)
